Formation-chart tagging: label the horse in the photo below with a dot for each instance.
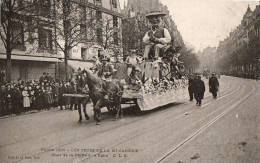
(103, 94)
(78, 86)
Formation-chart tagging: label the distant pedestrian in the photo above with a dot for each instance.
(213, 85)
(199, 90)
(191, 87)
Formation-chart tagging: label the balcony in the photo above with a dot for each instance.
(45, 51)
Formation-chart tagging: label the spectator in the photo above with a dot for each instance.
(26, 99)
(61, 99)
(2, 77)
(43, 78)
(2, 98)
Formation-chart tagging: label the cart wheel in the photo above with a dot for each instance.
(109, 109)
(136, 108)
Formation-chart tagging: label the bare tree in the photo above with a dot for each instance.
(108, 34)
(72, 24)
(12, 28)
(20, 17)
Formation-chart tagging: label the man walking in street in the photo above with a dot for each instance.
(199, 89)
(213, 85)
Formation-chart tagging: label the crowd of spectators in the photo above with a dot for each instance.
(45, 93)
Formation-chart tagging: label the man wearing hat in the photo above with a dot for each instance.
(213, 85)
(107, 69)
(157, 37)
(199, 90)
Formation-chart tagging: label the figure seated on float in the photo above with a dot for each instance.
(157, 37)
(132, 61)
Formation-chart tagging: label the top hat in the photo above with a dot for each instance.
(155, 14)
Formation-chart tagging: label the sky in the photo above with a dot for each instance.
(204, 23)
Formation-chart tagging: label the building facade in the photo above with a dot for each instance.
(33, 49)
(100, 30)
(239, 53)
(38, 50)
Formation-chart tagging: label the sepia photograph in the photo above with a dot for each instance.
(129, 81)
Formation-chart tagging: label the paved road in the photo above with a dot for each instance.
(222, 130)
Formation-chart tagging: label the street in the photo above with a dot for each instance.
(223, 130)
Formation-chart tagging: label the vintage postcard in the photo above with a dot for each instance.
(129, 81)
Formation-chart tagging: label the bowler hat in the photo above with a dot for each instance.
(154, 14)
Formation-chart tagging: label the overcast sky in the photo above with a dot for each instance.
(204, 23)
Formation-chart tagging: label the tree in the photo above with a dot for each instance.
(12, 28)
(68, 27)
(107, 33)
(189, 58)
(133, 37)
(20, 17)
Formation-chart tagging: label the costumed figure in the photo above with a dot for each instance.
(132, 61)
(133, 80)
(157, 37)
(107, 69)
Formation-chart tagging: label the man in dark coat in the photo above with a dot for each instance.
(199, 89)
(61, 99)
(2, 99)
(213, 85)
(191, 87)
(16, 99)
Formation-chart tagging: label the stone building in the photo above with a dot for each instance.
(31, 57)
(105, 35)
(239, 52)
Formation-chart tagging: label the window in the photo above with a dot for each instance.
(98, 2)
(83, 31)
(98, 15)
(18, 35)
(114, 3)
(115, 37)
(115, 34)
(83, 14)
(45, 39)
(99, 34)
(83, 53)
(44, 7)
(115, 21)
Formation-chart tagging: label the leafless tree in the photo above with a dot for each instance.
(14, 14)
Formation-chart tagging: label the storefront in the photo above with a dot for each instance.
(30, 67)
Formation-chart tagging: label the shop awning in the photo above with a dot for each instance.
(32, 58)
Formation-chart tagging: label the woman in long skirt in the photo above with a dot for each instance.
(26, 99)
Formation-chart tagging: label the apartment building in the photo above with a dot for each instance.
(36, 50)
(33, 47)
